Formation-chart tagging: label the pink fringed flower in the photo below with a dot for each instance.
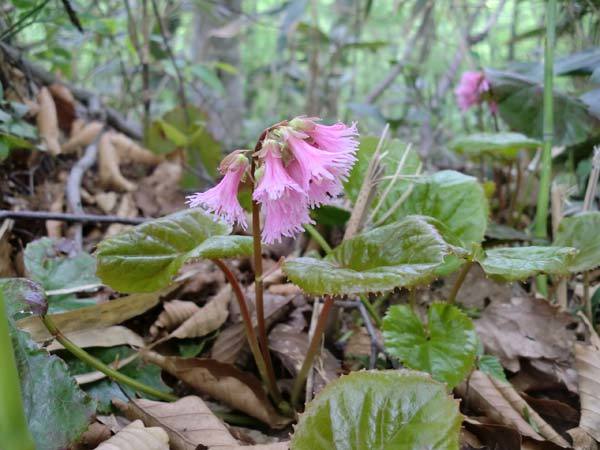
(471, 91)
(222, 199)
(283, 200)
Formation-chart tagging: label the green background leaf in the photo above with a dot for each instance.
(57, 264)
(497, 145)
(445, 346)
(392, 409)
(404, 254)
(581, 232)
(520, 263)
(145, 258)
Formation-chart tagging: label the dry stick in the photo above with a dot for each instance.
(313, 349)
(371, 330)
(590, 194)
(250, 335)
(73, 187)
(66, 217)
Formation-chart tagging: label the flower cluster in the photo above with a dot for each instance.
(473, 90)
(300, 165)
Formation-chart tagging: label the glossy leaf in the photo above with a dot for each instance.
(147, 257)
(58, 264)
(498, 145)
(402, 254)
(520, 263)
(581, 232)
(445, 346)
(392, 409)
(455, 199)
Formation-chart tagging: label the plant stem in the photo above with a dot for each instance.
(541, 216)
(117, 376)
(313, 349)
(250, 334)
(460, 279)
(586, 296)
(13, 423)
(318, 237)
(258, 283)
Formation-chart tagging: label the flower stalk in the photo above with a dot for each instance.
(13, 423)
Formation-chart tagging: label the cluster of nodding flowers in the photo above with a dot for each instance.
(474, 88)
(300, 165)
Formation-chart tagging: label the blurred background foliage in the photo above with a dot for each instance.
(209, 75)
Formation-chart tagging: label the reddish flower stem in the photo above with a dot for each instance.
(267, 378)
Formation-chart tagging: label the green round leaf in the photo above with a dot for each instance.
(520, 263)
(445, 346)
(380, 410)
(402, 254)
(455, 199)
(145, 258)
(497, 145)
(581, 232)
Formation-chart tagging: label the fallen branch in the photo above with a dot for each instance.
(66, 217)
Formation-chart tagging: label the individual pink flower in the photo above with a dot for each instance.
(283, 201)
(222, 199)
(472, 89)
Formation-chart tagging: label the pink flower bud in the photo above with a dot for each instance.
(472, 90)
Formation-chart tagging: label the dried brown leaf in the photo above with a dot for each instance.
(492, 435)
(47, 121)
(6, 264)
(137, 437)
(582, 440)
(359, 344)
(100, 337)
(272, 446)
(526, 327)
(159, 194)
(587, 362)
(83, 137)
(224, 382)
(131, 152)
(108, 166)
(65, 105)
(284, 289)
(481, 393)
(106, 201)
(188, 422)
(291, 348)
(96, 316)
(127, 208)
(174, 314)
(232, 340)
(93, 436)
(208, 318)
(559, 415)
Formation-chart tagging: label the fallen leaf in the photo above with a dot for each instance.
(47, 121)
(174, 314)
(224, 382)
(208, 318)
(559, 415)
(582, 440)
(131, 152)
(115, 423)
(526, 327)
(93, 436)
(108, 166)
(7, 269)
(499, 401)
(65, 105)
(493, 435)
(587, 362)
(95, 316)
(291, 348)
(359, 344)
(96, 375)
(232, 340)
(106, 201)
(273, 446)
(82, 137)
(137, 437)
(100, 337)
(284, 289)
(127, 208)
(188, 422)
(159, 194)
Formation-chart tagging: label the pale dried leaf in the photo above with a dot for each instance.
(136, 437)
(174, 314)
(100, 337)
(83, 137)
(7, 269)
(188, 422)
(115, 423)
(587, 362)
(232, 340)
(47, 121)
(291, 348)
(93, 436)
(359, 344)
(582, 440)
(96, 316)
(526, 327)
(481, 394)
(127, 208)
(131, 152)
(65, 105)
(239, 390)
(106, 201)
(284, 289)
(108, 166)
(273, 446)
(208, 318)
(160, 194)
